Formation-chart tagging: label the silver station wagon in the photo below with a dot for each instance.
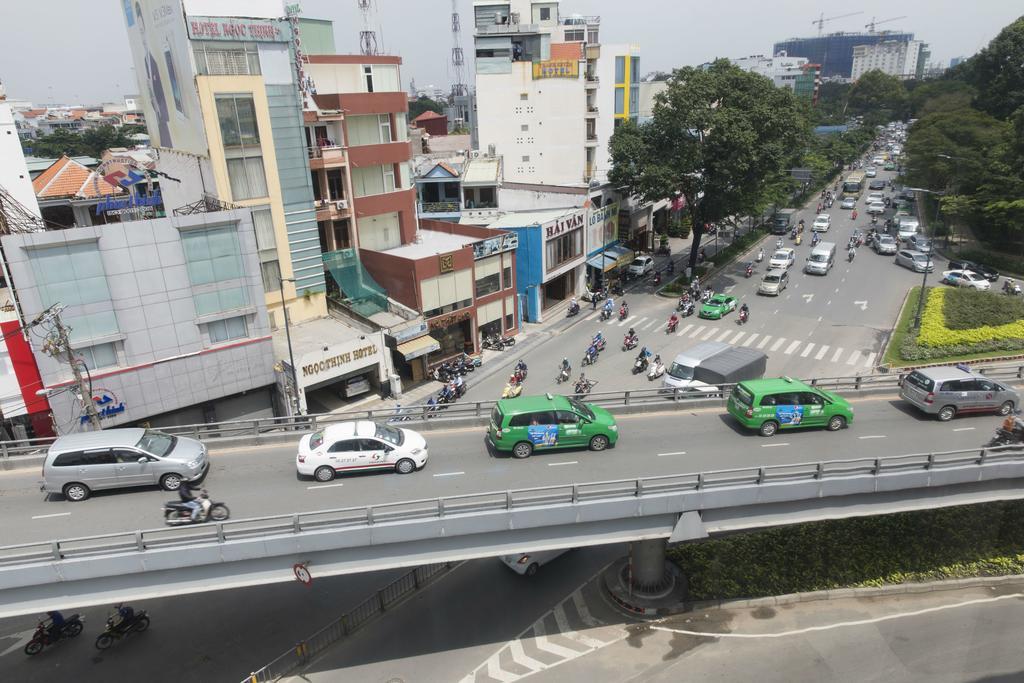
(947, 391)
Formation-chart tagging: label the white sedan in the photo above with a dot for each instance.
(965, 278)
(876, 208)
(526, 564)
(782, 258)
(848, 203)
(359, 446)
(822, 223)
(876, 197)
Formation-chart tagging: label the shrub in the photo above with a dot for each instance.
(679, 227)
(967, 308)
(935, 333)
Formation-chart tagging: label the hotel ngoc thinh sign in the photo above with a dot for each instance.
(339, 359)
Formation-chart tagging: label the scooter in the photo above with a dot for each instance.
(623, 312)
(563, 375)
(512, 390)
(583, 388)
(657, 278)
(600, 344)
(673, 323)
(137, 623)
(71, 628)
(629, 342)
(750, 269)
(742, 318)
(606, 314)
(799, 239)
(590, 357)
(686, 308)
(640, 364)
(177, 513)
(574, 309)
(656, 371)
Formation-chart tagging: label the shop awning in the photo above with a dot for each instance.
(622, 256)
(420, 346)
(596, 261)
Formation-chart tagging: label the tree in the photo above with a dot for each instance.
(954, 149)
(718, 137)
(878, 97)
(940, 95)
(95, 140)
(422, 104)
(90, 142)
(997, 72)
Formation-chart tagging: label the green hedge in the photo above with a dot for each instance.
(978, 540)
(965, 309)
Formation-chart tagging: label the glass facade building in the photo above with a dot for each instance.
(834, 51)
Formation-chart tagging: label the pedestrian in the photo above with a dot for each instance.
(593, 300)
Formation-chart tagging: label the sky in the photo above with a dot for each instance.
(76, 51)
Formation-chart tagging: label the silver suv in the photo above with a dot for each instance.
(946, 391)
(78, 464)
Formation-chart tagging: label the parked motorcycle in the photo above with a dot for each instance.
(136, 623)
(43, 637)
(177, 513)
(493, 342)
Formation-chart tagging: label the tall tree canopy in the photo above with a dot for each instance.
(997, 71)
(878, 97)
(719, 137)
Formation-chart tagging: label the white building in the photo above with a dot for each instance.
(548, 93)
(903, 59)
(782, 69)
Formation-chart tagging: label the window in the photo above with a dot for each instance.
(620, 69)
(510, 322)
(371, 180)
(227, 329)
(545, 13)
(574, 35)
(226, 59)
(506, 276)
(567, 417)
(620, 100)
(489, 284)
(523, 96)
(247, 177)
(389, 177)
(384, 123)
(237, 117)
(98, 356)
(634, 70)
(525, 127)
(526, 157)
(73, 275)
(564, 248)
(215, 269)
(271, 272)
(263, 223)
(241, 137)
(368, 77)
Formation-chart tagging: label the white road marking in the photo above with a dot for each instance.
(807, 298)
(448, 474)
(835, 356)
(55, 514)
(729, 288)
(854, 357)
(710, 334)
(750, 339)
(739, 335)
(871, 359)
(807, 350)
(863, 305)
(648, 325)
(821, 352)
(829, 302)
(776, 312)
(843, 280)
(773, 445)
(698, 331)
(584, 611)
(778, 342)
(764, 341)
(662, 455)
(872, 436)
(820, 317)
(685, 330)
(842, 624)
(837, 290)
(724, 334)
(792, 346)
(323, 486)
(964, 429)
(542, 642)
(629, 321)
(566, 631)
(520, 657)
(495, 671)
(559, 464)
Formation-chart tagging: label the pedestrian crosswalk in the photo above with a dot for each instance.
(768, 343)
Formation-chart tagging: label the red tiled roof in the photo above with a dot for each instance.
(428, 114)
(448, 168)
(571, 51)
(68, 178)
(76, 114)
(33, 113)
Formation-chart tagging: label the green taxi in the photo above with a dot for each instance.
(769, 405)
(548, 422)
(717, 306)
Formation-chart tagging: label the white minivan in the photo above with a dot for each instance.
(821, 260)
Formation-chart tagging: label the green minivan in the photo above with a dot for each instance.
(528, 423)
(769, 405)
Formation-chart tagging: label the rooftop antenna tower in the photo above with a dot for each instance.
(367, 37)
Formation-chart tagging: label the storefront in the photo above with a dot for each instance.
(550, 259)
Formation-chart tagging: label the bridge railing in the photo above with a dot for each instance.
(490, 501)
(212, 431)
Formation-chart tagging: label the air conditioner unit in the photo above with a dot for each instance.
(341, 204)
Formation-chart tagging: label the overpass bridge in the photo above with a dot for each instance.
(101, 569)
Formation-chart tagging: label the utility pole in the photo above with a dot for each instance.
(58, 345)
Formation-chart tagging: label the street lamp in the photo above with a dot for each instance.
(928, 263)
(288, 336)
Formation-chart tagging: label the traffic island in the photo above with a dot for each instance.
(645, 583)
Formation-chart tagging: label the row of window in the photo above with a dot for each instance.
(563, 249)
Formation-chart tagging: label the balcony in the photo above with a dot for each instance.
(506, 29)
(581, 20)
(591, 140)
(592, 51)
(449, 209)
(326, 156)
(332, 209)
(591, 112)
(592, 81)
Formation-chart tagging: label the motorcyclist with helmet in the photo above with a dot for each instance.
(185, 493)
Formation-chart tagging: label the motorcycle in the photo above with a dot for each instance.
(750, 269)
(606, 314)
(600, 344)
(563, 375)
(590, 357)
(815, 239)
(792, 234)
(657, 278)
(43, 637)
(640, 365)
(583, 388)
(799, 239)
(850, 255)
(779, 243)
(760, 255)
(574, 309)
(493, 342)
(629, 342)
(136, 623)
(1011, 288)
(673, 323)
(521, 370)
(623, 312)
(743, 316)
(617, 288)
(657, 370)
(512, 390)
(177, 513)
(686, 308)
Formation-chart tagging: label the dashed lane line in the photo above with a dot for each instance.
(559, 464)
(323, 486)
(55, 514)
(662, 455)
(774, 445)
(964, 429)
(872, 436)
(448, 474)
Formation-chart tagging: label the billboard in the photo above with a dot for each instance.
(556, 68)
(602, 227)
(163, 67)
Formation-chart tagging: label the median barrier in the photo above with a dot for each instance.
(276, 430)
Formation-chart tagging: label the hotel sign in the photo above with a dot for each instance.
(339, 359)
(238, 29)
(556, 68)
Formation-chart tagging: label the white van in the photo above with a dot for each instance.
(821, 260)
(906, 227)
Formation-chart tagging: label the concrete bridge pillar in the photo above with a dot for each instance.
(648, 563)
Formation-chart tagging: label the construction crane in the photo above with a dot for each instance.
(820, 21)
(871, 26)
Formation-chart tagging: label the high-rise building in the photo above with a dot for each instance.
(782, 69)
(902, 59)
(834, 51)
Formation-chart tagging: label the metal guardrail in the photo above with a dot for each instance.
(211, 431)
(350, 622)
(491, 501)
